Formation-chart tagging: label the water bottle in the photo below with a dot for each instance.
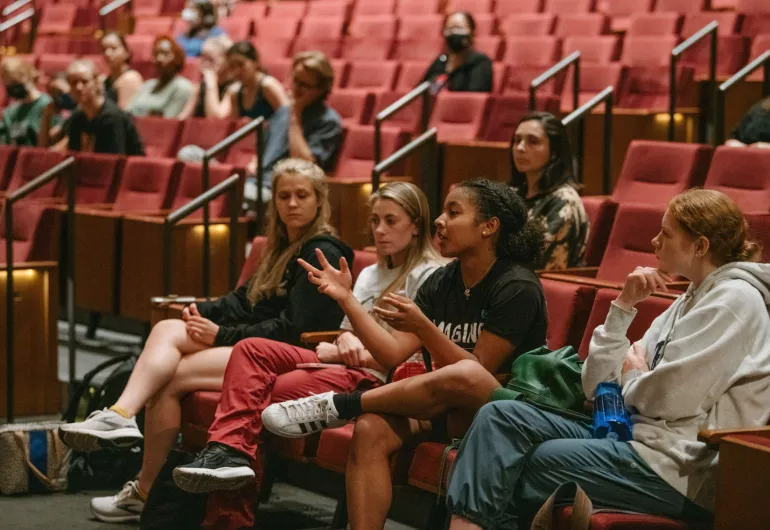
(611, 419)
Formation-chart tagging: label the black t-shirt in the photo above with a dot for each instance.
(474, 75)
(509, 302)
(754, 126)
(112, 131)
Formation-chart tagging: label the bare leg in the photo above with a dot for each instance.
(458, 523)
(465, 385)
(167, 344)
(204, 370)
(367, 475)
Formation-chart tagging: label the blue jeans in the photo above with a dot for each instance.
(515, 455)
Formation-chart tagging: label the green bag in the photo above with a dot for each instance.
(549, 379)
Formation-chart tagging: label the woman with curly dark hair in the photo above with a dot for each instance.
(473, 316)
(541, 159)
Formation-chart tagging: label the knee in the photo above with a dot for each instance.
(255, 351)
(169, 328)
(457, 378)
(371, 437)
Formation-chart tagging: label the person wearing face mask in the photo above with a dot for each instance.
(461, 68)
(55, 121)
(21, 120)
(201, 17)
(211, 98)
(166, 95)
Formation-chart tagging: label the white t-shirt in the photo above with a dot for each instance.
(373, 280)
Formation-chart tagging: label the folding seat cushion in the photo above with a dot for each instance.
(653, 172)
(353, 106)
(593, 79)
(35, 237)
(648, 51)
(159, 135)
(459, 116)
(630, 242)
(191, 185)
(569, 305)
(377, 7)
(528, 24)
(372, 75)
(7, 159)
(287, 9)
(32, 162)
(147, 184)
(647, 87)
(600, 49)
(97, 178)
(205, 132)
(580, 24)
(651, 24)
(601, 215)
(744, 175)
(357, 156)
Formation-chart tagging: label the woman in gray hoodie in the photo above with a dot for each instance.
(703, 364)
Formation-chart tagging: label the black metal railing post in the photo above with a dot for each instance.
(572, 58)
(421, 91)
(62, 168)
(431, 183)
(229, 184)
(709, 30)
(240, 134)
(15, 6)
(606, 96)
(109, 8)
(719, 110)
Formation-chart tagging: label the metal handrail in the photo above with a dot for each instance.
(16, 20)
(237, 136)
(10, 200)
(552, 72)
(201, 201)
(422, 90)
(607, 96)
(719, 109)
(709, 29)
(18, 4)
(430, 176)
(112, 6)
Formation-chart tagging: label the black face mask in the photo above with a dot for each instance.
(64, 102)
(457, 42)
(16, 91)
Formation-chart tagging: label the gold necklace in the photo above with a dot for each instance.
(468, 288)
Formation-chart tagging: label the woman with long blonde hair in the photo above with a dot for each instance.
(187, 355)
(263, 371)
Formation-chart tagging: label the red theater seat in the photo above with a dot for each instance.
(236, 28)
(7, 160)
(648, 51)
(205, 132)
(282, 27)
(376, 7)
(252, 260)
(320, 33)
(459, 116)
(599, 49)
(353, 106)
(373, 26)
(619, 11)
(593, 79)
(153, 26)
(329, 8)
(420, 27)
(367, 48)
(57, 19)
(424, 50)
(569, 306)
(191, 185)
(407, 119)
(601, 214)
(250, 10)
(410, 75)
(141, 47)
(97, 178)
(581, 24)
(653, 24)
(146, 8)
(681, 6)
(159, 135)
(506, 111)
(728, 22)
(288, 9)
(357, 155)
(52, 65)
(147, 184)
(34, 233)
(486, 24)
(473, 6)
(490, 45)
(372, 75)
(531, 51)
(423, 7)
(744, 175)
(528, 24)
(733, 53)
(647, 87)
(32, 162)
(752, 6)
(755, 24)
(568, 6)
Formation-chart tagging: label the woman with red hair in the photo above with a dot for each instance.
(168, 93)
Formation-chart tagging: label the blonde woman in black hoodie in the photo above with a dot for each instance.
(183, 356)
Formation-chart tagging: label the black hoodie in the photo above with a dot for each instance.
(298, 307)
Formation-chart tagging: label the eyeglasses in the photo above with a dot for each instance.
(301, 84)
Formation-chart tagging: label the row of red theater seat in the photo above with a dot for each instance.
(108, 182)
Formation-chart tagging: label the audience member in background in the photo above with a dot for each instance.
(122, 82)
(305, 128)
(703, 364)
(460, 68)
(21, 119)
(474, 316)
(55, 121)
(211, 97)
(541, 160)
(263, 371)
(183, 356)
(167, 95)
(754, 128)
(201, 17)
(260, 94)
(98, 125)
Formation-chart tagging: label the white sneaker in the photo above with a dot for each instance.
(124, 507)
(301, 417)
(102, 428)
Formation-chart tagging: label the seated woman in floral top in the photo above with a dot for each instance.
(542, 174)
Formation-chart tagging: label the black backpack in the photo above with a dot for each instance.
(101, 388)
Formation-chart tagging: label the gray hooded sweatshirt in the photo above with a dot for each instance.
(710, 359)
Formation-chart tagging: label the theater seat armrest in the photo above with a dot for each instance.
(582, 280)
(171, 304)
(714, 436)
(678, 285)
(315, 337)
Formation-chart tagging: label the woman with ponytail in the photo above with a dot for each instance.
(188, 355)
(703, 364)
(473, 317)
